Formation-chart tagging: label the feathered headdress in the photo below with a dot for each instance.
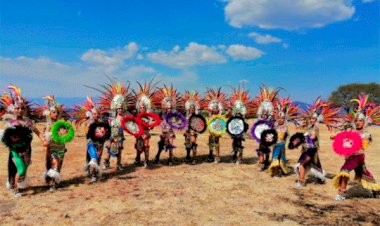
(83, 112)
(216, 99)
(266, 100)
(284, 107)
(168, 96)
(8, 101)
(369, 112)
(324, 111)
(191, 98)
(144, 96)
(50, 105)
(239, 102)
(115, 95)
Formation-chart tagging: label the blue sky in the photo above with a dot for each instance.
(308, 48)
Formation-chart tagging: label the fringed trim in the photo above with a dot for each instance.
(277, 163)
(94, 163)
(370, 185)
(338, 177)
(297, 169)
(54, 174)
(284, 167)
(318, 174)
(8, 185)
(23, 184)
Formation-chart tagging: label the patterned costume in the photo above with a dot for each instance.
(241, 106)
(169, 97)
(192, 102)
(55, 151)
(144, 104)
(115, 99)
(356, 161)
(17, 137)
(285, 111)
(97, 133)
(265, 111)
(319, 112)
(215, 102)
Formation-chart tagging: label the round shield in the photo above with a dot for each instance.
(132, 125)
(149, 119)
(62, 132)
(269, 137)
(17, 138)
(217, 124)
(296, 140)
(236, 126)
(99, 131)
(176, 120)
(198, 123)
(347, 143)
(259, 127)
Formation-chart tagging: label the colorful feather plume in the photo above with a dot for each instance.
(167, 96)
(215, 98)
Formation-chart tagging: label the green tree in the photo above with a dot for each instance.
(343, 95)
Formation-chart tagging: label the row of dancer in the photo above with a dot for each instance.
(106, 121)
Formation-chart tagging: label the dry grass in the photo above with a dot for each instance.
(204, 194)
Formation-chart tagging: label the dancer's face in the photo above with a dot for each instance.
(192, 109)
(142, 108)
(313, 120)
(281, 120)
(359, 124)
(53, 114)
(19, 111)
(95, 115)
(215, 110)
(119, 111)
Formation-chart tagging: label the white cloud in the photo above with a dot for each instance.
(38, 68)
(193, 54)
(264, 39)
(43, 76)
(287, 14)
(135, 71)
(241, 52)
(112, 59)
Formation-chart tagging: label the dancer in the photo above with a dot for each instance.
(115, 99)
(358, 121)
(18, 137)
(216, 102)
(144, 104)
(265, 101)
(169, 97)
(285, 111)
(192, 103)
(241, 106)
(319, 112)
(55, 152)
(97, 134)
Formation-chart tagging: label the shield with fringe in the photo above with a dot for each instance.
(236, 126)
(296, 140)
(132, 125)
(176, 120)
(149, 119)
(259, 127)
(217, 125)
(347, 143)
(197, 123)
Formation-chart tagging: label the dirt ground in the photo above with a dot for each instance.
(184, 194)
